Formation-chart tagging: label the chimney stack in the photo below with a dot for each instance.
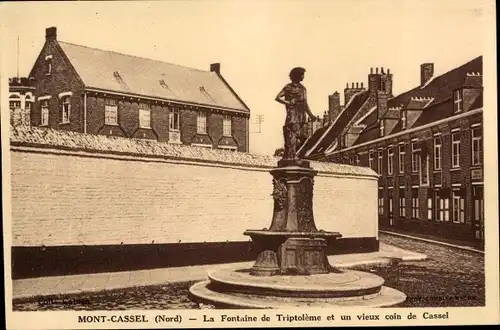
(215, 67)
(51, 33)
(381, 104)
(426, 73)
(374, 81)
(333, 106)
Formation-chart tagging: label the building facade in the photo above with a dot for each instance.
(426, 145)
(94, 91)
(21, 100)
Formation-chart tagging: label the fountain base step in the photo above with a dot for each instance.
(239, 289)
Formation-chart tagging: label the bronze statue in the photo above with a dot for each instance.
(294, 97)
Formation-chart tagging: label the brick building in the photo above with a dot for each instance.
(94, 91)
(21, 101)
(426, 144)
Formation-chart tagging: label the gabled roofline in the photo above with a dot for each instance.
(153, 98)
(65, 58)
(411, 130)
(308, 153)
(232, 91)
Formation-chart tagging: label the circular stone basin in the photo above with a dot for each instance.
(202, 292)
(332, 285)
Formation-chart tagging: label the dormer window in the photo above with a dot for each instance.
(382, 128)
(458, 101)
(48, 64)
(403, 119)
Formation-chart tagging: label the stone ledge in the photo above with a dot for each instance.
(46, 138)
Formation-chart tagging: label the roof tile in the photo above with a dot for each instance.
(122, 73)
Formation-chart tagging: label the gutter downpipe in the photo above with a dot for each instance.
(85, 112)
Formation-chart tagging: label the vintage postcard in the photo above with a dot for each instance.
(199, 164)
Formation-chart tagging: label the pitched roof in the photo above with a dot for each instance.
(440, 88)
(331, 132)
(370, 133)
(129, 74)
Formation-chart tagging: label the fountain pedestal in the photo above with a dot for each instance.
(292, 244)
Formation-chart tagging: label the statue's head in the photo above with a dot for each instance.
(297, 74)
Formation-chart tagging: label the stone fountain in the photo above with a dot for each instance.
(292, 268)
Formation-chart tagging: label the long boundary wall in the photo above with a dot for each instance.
(85, 203)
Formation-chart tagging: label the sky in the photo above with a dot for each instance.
(258, 42)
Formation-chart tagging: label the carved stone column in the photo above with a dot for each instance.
(293, 244)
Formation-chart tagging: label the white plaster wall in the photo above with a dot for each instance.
(71, 200)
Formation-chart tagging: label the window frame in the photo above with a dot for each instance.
(476, 141)
(44, 113)
(437, 152)
(443, 207)
(201, 122)
(65, 109)
(414, 203)
(455, 149)
(48, 65)
(14, 107)
(174, 119)
(458, 206)
(390, 160)
(430, 208)
(458, 101)
(401, 159)
(370, 159)
(402, 203)
(227, 126)
(415, 161)
(145, 113)
(110, 107)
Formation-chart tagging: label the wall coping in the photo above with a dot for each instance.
(46, 140)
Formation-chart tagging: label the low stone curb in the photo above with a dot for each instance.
(461, 247)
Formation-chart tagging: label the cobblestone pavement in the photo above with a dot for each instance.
(449, 277)
(170, 296)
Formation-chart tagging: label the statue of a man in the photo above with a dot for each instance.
(294, 97)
